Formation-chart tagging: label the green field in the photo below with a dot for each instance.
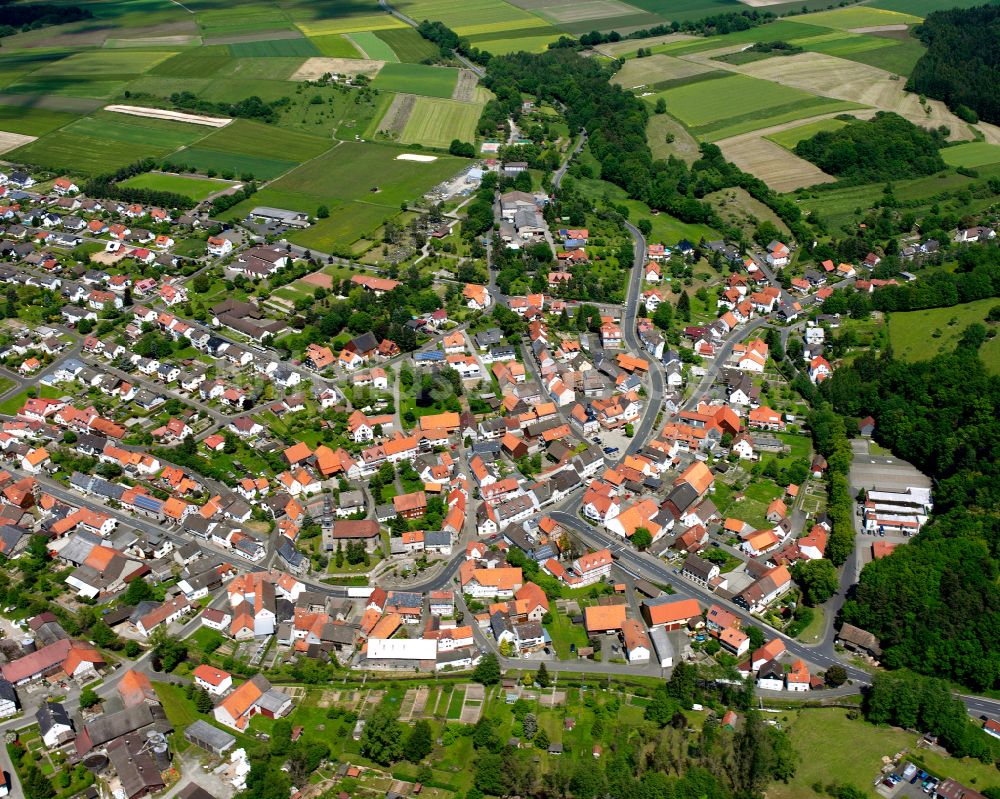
(201, 63)
(687, 9)
(349, 24)
(920, 335)
(32, 121)
(274, 48)
(363, 185)
(195, 188)
(106, 141)
(374, 47)
(241, 19)
(734, 104)
(270, 71)
(116, 63)
(860, 17)
(469, 17)
(243, 137)
(416, 79)
(409, 46)
(335, 45)
(971, 154)
(436, 123)
(789, 138)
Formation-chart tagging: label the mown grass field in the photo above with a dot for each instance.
(789, 138)
(417, 79)
(971, 154)
(435, 123)
(408, 45)
(245, 137)
(116, 63)
(346, 224)
(374, 47)
(920, 335)
(195, 188)
(861, 17)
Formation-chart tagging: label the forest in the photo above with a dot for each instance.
(31, 16)
(962, 62)
(935, 603)
(887, 147)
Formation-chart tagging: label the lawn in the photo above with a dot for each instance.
(737, 103)
(274, 48)
(789, 138)
(920, 335)
(417, 79)
(435, 122)
(830, 745)
(455, 704)
(195, 188)
(564, 633)
(408, 45)
(971, 154)
(374, 46)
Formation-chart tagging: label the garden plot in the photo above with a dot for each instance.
(465, 88)
(472, 705)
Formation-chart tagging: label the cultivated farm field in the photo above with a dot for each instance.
(436, 123)
(417, 79)
(734, 104)
(789, 137)
(408, 45)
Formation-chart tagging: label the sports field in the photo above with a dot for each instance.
(792, 136)
(972, 154)
(195, 188)
(734, 104)
(417, 79)
(436, 123)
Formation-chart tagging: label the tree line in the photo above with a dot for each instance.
(109, 187)
(935, 603)
(962, 62)
(449, 41)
